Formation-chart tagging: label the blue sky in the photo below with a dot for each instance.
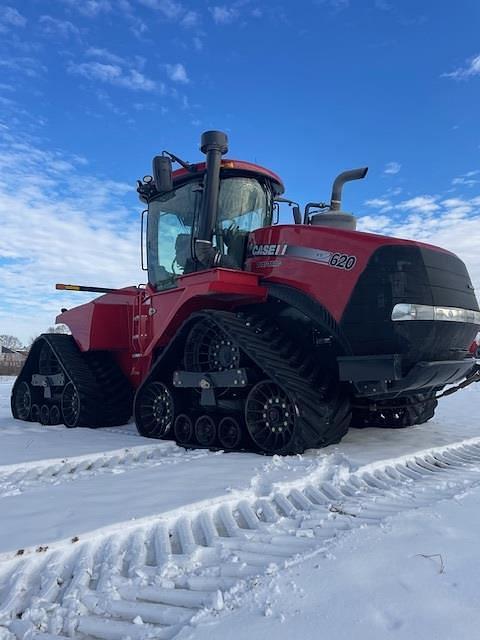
(90, 90)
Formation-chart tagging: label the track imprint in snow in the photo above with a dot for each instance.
(17, 478)
(151, 579)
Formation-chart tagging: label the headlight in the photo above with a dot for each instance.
(405, 311)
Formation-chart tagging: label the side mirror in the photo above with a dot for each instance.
(162, 174)
(297, 216)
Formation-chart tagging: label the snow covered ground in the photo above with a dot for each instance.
(385, 547)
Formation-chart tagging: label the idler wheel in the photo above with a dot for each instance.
(22, 401)
(70, 405)
(270, 415)
(156, 410)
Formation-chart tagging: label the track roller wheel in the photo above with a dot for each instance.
(229, 433)
(270, 415)
(44, 414)
(22, 401)
(156, 410)
(183, 429)
(205, 431)
(70, 405)
(35, 413)
(55, 415)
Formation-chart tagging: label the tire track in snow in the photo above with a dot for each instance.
(17, 478)
(152, 579)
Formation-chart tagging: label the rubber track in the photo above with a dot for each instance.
(116, 390)
(296, 373)
(174, 572)
(105, 397)
(411, 410)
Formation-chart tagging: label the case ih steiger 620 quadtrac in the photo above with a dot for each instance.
(252, 334)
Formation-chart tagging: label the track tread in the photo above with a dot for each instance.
(259, 345)
(167, 574)
(105, 394)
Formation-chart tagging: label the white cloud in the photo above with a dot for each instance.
(471, 68)
(168, 8)
(395, 192)
(469, 179)
(59, 225)
(197, 43)
(90, 8)
(458, 207)
(223, 14)
(336, 5)
(392, 168)
(374, 224)
(52, 26)
(137, 26)
(452, 223)
(421, 204)
(377, 202)
(104, 54)
(177, 73)
(26, 65)
(113, 74)
(10, 17)
(384, 204)
(190, 19)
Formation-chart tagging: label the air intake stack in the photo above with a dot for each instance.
(333, 217)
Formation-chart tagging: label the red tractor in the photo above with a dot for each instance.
(252, 334)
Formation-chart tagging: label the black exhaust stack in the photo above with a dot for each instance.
(346, 176)
(214, 144)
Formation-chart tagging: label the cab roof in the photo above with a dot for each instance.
(233, 167)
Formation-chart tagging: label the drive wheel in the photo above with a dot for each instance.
(229, 433)
(156, 410)
(271, 416)
(205, 431)
(22, 401)
(208, 348)
(183, 429)
(70, 405)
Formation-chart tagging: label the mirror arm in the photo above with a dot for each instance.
(186, 165)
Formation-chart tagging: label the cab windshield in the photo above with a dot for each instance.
(244, 204)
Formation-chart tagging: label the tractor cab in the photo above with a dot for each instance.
(200, 216)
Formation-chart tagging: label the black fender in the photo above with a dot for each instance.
(312, 309)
